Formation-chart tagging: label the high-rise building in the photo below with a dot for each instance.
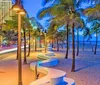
(5, 13)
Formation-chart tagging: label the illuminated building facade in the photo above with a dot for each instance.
(5, 13)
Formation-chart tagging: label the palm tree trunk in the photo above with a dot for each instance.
(73, 50)
(52, 43)
(35, 45)
(40, 42)
(95, 51)
(91, 45)
(1, 40)
(77, 42)
(45, 44)
(25, 60)
(57, 45)
(29, 48)
(62, 44)
(83, 44)
(66, 56)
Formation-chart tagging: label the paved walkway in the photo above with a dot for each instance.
(9, 49)
(87, 68)
(9, 69)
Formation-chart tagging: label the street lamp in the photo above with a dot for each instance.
(16, 7)
(20, 11)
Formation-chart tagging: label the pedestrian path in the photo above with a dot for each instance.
(53, 76)
(10, 49)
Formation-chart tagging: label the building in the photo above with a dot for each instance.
(5, 13)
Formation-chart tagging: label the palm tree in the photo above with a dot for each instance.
(77, 42)
(45, 40)
(91, 2)
(61, 16)
(83, 43)
(50, 35)
(35, 34)
(56, 36)
(94, 16)
(25, 60)
(62, 36)
(66, 56)
(11, 24)
(96, 30)
(73, 49)
(1, 34)
(63, 13)
(37, 31)
(87, 34)
(96, 42)
(93, 13)
(79, 24)
(52, 32)
(29, 48)
(25, 28)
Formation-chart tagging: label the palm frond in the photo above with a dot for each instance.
(90, 11)
(44, 12)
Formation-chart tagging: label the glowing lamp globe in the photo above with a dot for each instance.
(22, 11)
(16, 7)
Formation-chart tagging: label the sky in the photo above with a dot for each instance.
(33, 6)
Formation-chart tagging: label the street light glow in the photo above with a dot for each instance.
(16, 7)
(22, 12)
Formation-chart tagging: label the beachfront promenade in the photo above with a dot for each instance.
(9, 49)
(53, 76)
(87, 68)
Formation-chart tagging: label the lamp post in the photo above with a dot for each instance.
(20, 11)
(19, 51)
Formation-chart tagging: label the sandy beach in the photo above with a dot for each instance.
(87, 67)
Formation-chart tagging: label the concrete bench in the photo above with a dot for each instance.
(49, 63)
(69, 81)
(43, 57)
(53, 76)
(50, 53)
(49, 48)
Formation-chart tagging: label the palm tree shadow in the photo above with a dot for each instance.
(57, 51)
(88, 66)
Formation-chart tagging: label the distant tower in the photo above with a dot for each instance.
(5, 14)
